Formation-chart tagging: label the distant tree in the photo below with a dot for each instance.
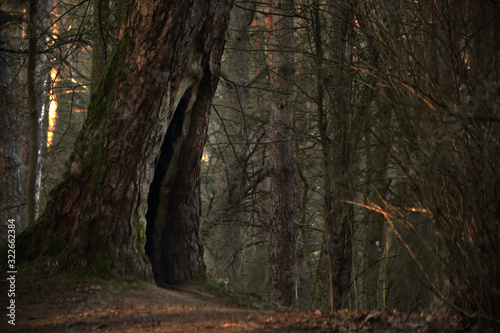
(281, 247)
(339, 137)
(133, 176)
(38, 82)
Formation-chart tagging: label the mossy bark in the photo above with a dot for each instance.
(95, 218)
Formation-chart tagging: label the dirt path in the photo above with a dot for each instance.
(61, 306)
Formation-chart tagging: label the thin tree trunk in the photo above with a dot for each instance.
(335, 119)
(301, 243)
(33, 117)
(10, 162)
(281, 251)
(38, 74)
(145, 128)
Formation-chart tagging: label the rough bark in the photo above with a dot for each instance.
(100, 48)
(167, 61)
(10, 190)
(281, 249)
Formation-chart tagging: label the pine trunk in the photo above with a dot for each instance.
(139, 150)
(281, 250)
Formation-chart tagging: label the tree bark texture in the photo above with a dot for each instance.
(101, 27)
(144, 132)
(10, 162)
(281, 249)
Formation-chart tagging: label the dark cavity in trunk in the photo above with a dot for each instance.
(174, 131)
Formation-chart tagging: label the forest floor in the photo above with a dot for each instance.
(61, 304)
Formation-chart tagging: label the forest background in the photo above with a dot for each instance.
(381, 117)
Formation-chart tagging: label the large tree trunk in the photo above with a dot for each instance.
(281, 250)
(154, 94)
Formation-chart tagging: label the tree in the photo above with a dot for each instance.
(38, 75)
(339, 136)
(100, 39)
(139, 151)
(10, 161)
(281, 249)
